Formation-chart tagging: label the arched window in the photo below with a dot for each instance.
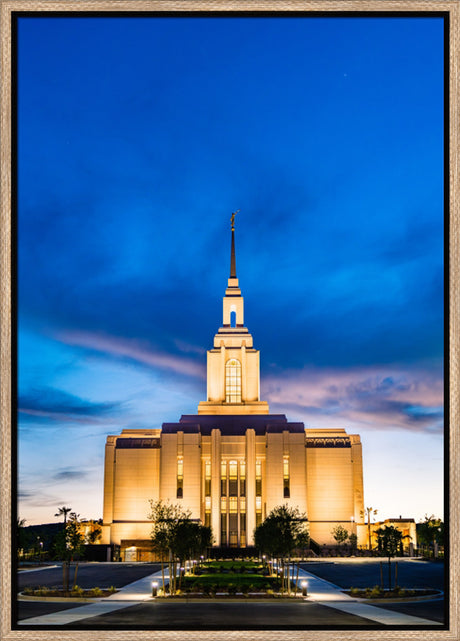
(233, 316)
(233, 381)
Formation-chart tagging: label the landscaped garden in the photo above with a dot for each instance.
(396, 593)
(229, 578)
(75, 593)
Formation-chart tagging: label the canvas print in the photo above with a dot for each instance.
(230, 306)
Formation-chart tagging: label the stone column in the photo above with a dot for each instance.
(222, 372)
(244, 391)
(215, 484)
(250, 485)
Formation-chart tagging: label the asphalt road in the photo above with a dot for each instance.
(218, 616)
(366, 573)
(90, 575)
(197, 615)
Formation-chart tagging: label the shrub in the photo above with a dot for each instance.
(77, 590)
(376, 591)
(232, 589)
(112, 589)
(96, 592)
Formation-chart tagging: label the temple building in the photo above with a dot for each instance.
(232, 462)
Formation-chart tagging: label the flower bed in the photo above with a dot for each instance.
(397, 593)
(77, 592)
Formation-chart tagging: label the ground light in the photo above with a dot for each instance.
(154, 588)
(304, 586)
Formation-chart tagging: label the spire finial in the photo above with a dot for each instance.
(233, 219)
(232, 256)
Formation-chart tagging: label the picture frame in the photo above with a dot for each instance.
(8, 315)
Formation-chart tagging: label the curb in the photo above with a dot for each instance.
(410, 599)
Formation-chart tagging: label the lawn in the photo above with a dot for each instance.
(230, 577)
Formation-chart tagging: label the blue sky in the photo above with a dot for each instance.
(137, 138)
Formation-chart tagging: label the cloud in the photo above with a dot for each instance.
(48, 403)
(134, 350)
(376, 398)
(69, 474)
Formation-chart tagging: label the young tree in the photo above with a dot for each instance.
(340, 534)
(69, 546)
(389, 539)
(175, 536)
(283, 531)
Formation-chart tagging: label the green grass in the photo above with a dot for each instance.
(236, 566)
(221, 582)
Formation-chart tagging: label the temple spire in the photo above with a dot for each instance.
(232, 257)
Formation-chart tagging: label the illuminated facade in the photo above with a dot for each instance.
(233, 461)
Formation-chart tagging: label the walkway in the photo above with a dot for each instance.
(319, 591)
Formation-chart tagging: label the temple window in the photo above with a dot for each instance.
(233, 381)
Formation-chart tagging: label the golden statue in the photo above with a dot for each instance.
(233, 219)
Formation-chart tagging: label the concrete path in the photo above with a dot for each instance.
(39, 569)
(319, 591)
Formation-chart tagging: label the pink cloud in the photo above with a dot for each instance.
(134, 350)
(386, 397)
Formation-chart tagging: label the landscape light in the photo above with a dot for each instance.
(154, 588)
(304, 586)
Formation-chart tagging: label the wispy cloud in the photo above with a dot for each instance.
(380, 398)
(69, 474)
(134, 350)
(48, 403)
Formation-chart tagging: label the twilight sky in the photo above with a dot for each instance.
(137, 138)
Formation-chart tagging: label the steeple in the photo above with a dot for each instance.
(232, 256)
(233, 363)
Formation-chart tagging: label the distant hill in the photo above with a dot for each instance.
(45, 532)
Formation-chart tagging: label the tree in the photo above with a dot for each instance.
(340, 534)
(94, 533)
(63, 511)
(369, 512)
(69, 546)
(22, 537)
(430, 531)
(353, 538)
(389, 540)
(60, 545)
(283, 531)
(175, 537)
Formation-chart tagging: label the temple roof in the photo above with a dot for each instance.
(233, 424)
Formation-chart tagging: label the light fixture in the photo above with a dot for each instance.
(154, 588)
(304, 585)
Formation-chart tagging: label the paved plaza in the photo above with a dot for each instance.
(325, 606)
